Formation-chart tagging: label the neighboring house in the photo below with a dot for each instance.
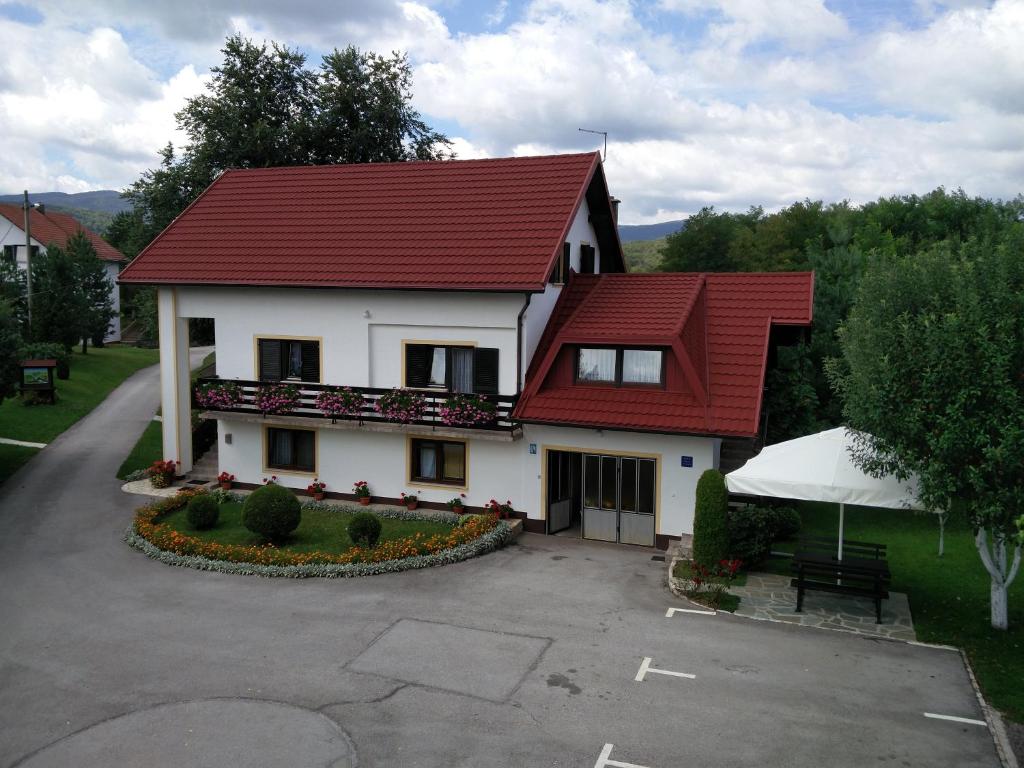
(54, 227)
(503, 278)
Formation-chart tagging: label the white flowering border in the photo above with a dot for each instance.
(494, 539)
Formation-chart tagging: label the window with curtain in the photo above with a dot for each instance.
(452, 368)
(291, 449)
(619, 366)
(438, 461)
(596, 365)
(282, 359)
(641, 366)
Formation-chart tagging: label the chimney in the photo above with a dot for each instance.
(41, 207)
(615, 210)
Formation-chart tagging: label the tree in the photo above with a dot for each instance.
(58, 307)
(10, 343)
(12, 291)
(263, 107)
(94, 286)
(932, 369)
(711, 519)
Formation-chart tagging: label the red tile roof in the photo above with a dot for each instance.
(714, 328)
(56, 227)
(462, 224)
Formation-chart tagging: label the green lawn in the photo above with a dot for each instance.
(949, 596)
(148, 449)
(320, 530)
(93, 377)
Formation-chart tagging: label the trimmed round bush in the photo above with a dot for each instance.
(271, 511)
(364, 529)
(203, 512)
(711, 519)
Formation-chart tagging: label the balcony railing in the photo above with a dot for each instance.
(364, 404)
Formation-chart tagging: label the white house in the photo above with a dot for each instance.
(497, 284)
(52, 227)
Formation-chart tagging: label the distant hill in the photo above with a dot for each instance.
(102, 200)
(630, 232)
(643, 255)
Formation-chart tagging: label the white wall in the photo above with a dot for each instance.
(541, 304)
(357, 350)
(114, 334)
(499, 470)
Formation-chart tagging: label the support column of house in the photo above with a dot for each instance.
(175, 381)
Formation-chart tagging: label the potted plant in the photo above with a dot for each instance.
(316, 489)
(467, 411)
(501, 511)
(362, 491)
(277, 398)
(225, 479)
(161, 473)
(340, 401)
(456, 505)
(218, 395)
(401, 405)
(410, 500)
(272, 480)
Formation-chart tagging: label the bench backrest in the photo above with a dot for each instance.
(846, 572)
(865, 549)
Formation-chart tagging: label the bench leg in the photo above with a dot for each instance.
(878, 610)
(799, 599)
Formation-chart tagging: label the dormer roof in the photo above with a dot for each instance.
(714, 328)
(485, 225)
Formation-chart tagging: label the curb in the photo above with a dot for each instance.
(994, 720)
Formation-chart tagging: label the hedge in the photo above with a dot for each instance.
(710, 519)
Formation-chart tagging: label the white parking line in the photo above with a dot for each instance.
(645, 667)
(673, 611)
(604, 760)
(954, 719)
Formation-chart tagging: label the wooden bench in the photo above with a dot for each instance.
(863, 571)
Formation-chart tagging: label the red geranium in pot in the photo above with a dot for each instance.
(316, 489)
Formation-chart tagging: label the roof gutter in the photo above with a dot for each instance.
(519, 343)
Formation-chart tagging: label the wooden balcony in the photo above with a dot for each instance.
(367, 417)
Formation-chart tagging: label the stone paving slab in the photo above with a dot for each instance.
(769, 597)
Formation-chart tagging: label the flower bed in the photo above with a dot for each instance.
(470, 536)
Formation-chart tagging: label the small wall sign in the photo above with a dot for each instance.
(686, 461)
(533, 449)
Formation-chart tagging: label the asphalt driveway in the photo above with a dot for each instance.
(526, 657)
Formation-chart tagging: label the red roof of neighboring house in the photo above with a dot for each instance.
(56, 227)
(714, 329)
(462, 225)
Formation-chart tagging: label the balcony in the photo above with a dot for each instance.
(369, 409)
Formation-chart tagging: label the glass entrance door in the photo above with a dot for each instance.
(618, 499)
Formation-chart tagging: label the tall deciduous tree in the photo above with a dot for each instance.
(933, 370)
(58, 309)
(263, 107)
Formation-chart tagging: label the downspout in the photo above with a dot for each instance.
(519, 344)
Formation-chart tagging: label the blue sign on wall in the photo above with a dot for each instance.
(686, 461)
(533, 448)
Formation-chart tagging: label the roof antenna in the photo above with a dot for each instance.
(604, 155)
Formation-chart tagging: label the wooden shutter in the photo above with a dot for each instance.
(418, 358)
(485, 371)
(311, 361)
(586, 259)
(271, 360)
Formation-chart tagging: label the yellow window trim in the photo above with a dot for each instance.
(257, 337)
(421, 484)
(266, 452)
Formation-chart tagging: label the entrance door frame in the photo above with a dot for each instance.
(659, 461)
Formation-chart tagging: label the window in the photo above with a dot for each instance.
(560, 272)
(281, 359)
(587, 253)
(607, 365)
(291, 449)
(11, 254)
(437, 461)
(452, 368)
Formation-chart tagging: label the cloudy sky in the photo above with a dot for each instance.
(725, 102)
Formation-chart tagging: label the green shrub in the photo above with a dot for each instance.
(710, 519)
(752, 530)
(271, 511)
(43, 350)
(203, 512)
(364, 529)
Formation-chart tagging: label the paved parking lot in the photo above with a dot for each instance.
(526, 657)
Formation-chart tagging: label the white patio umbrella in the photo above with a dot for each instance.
(819, 468)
